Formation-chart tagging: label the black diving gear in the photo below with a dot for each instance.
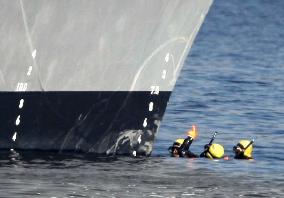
(207, 146)
(182, 150)
(244, 149)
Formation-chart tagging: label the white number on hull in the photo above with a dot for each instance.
(34, 54)
(30, 70)
(145, 122)
(139, 139)
(151, 106)
(21, 103)
(22, 86)
(14, 136)
(155, 90)
(18, 120)
(167, 57)
(164, 74)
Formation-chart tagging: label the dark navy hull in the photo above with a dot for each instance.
(92, 76)
(99, 122)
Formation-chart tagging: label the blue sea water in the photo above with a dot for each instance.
(232, 82)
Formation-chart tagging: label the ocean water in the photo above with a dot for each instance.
(232, 82)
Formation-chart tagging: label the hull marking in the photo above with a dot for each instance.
(18, 121)
(22, 86)
(164, 74)
(34, 54)
(151, 106)
(21, 104)
(145, 122)
(167, 57)
(155, 90)
(14, 136)
(139, 139)
(30, 70)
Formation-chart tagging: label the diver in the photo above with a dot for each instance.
(244, 149)
(180, 147)
(213, 151)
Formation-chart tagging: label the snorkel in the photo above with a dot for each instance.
(213, 138)
(251, 142)
(207, 146)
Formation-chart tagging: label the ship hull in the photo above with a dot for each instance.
(97, 122)
(91, 75)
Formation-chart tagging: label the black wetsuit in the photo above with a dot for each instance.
(242, 156)
(184, 151)
(206, 149)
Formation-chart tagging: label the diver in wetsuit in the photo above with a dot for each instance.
(180, 147)
(244, 149)
(213, 151)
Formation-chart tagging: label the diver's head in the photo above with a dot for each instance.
(243, 149)
(174, 148)
(215, 151)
